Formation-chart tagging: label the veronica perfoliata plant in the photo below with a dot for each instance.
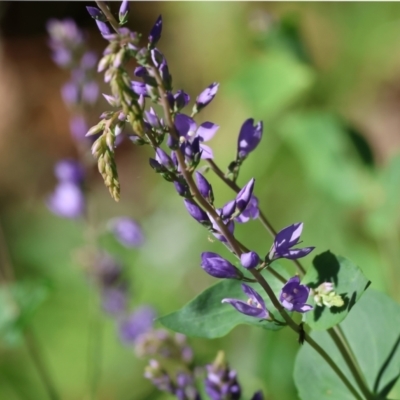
(252, 286)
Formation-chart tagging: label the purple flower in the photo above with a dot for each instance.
(78, 127)
(136, 324)
(164, 159)
(218, 267)
(89, 60)
(182, 188)
(90, 92)
(250, 259)
(254, 307)
(196, 212)
(139, 88)
(181, 99)
(206, 96)
(188, 130)
(228, 209)
(106, 270)
(127, 231)
(249, 137)
(114, 299)
(204, 187)
(70, 93)
(293, 296)
(155, 32)
(244, 196)
(123, 10)
(67, 200)
(284, 240)
(250, 212)
(69, 171)
(96, 13)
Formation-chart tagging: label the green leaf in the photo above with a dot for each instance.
(205, 316)
(18, 303)
(349, 282)
(373, 334)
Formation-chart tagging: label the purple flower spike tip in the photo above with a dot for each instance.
(250, 259)
(196, 212)
(249, 137)
(254, 307)
(244, 196)
(284, 240)
(126, 231)
(123, 10)
(204, 186)
(293, 296)
(136, 324)
(207, 95)
(218, 267)
(155, 32)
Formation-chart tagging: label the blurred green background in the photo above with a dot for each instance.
(325, 80)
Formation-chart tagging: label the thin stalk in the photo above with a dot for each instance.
(7, 277)
(106, 11)
(335, 333)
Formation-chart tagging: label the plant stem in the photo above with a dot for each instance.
(7, 278)
(335, 333)
(263, 219)
(106, 11)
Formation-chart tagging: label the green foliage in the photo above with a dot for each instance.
(374, 336)
(18, 304)
(205, 316)
(350, 284)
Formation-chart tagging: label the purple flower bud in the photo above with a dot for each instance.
(181, 99)
(204, 187)
(218, 267)
(191, 150)
(89, 60)
(70, 93)
(126, 231)
(254, 307)
(244, 196)
(172, 143)
(250, 259)
(136, 324)
(96, 13)
(90, 92)
(69, 171)
(123, 10)
(140, 72)
(155, 165)
(164, 159)
(284, 240)
(216, 231)
(228, 209)
(114, 299)
(249, 137)
(250, 212)
(155, 32)
(78, 127)
(106, 270)
(182, 188)
(293, 296)
(206, 96)
(67, 200)
(104, 29)
(152, 118)
(139, 88)
(196, 212)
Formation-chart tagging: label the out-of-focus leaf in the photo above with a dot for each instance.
(322, 146)
(205, 316)
(272, 82)
(373, 333)
(349, 282)
(382, 219)
(18, 303)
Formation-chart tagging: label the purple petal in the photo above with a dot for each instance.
(155, 32)
(296, 253)
(253, 295)
(127, 231)
(217, 266)
(67, 200)
(250, 212)
(206, 131)
(69, 171)
(185, 125)
(249, 137)
(246, 309)
(250, 259)
(207, 95)
(289, 236)
(207, 152)
(138, 323)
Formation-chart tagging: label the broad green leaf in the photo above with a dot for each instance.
(373, 333)
(205, 316)
(18, 303)
(349, 282)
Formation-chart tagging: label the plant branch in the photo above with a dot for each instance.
(106, 11)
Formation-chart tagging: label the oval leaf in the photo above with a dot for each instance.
(205, 316)
(373, 334)
(349, 282)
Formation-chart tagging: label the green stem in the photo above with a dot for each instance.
(106, 11)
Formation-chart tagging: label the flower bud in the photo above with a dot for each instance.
(206, 96)
(250, 259)
(197, 213)
(228, 209)
(155, 32)
(249, 137)
(218, 267)
(164, 159)
(244, 196)
(204, 187)
(123, 12)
